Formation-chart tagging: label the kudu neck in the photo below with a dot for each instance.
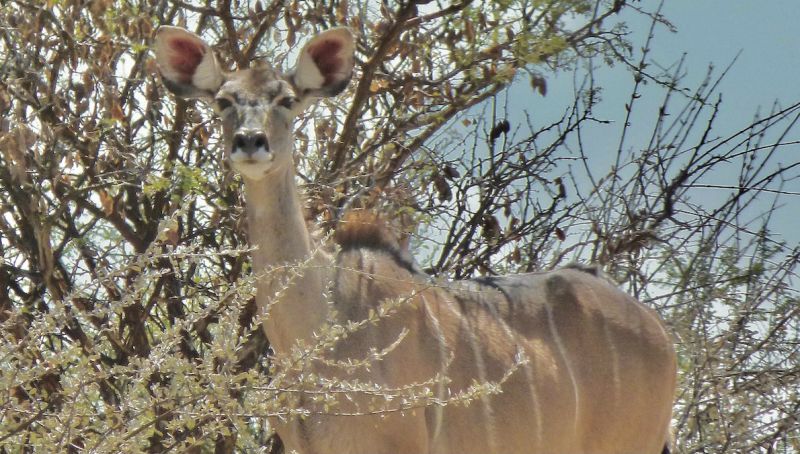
(283, 256)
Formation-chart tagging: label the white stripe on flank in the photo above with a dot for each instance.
(488, 414)
(614, 364)
(563, 352)
(612, 346)
(444, 365)
(537, 409)
(526, 366)
(486, 401)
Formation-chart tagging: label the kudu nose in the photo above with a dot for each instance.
(250, 141)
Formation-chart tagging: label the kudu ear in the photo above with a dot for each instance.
(325, 64)
(186, 63)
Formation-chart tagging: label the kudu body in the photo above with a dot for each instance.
(582, 367)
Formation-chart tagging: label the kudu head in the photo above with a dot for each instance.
(256, 105)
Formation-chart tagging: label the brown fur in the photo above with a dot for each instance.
(365, 228)
(596, 371)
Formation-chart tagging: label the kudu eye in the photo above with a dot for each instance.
(288, 102)
(223, 104)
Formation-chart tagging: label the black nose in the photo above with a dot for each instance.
(249, 141)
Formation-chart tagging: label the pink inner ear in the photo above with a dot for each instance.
(186, 57)
(326, 57)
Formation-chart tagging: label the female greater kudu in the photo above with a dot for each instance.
(583, 367)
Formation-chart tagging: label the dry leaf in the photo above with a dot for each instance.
(116, 111)
(502, 127)
(539, 84)
(106, 201)
(377, 85)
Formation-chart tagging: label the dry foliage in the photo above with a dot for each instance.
(127, 321)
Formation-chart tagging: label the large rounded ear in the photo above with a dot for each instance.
(186, 63)
(325, 64)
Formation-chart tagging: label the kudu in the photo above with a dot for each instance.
(595, 369)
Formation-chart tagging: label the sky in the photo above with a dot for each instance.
(716, 30)
(764, 36)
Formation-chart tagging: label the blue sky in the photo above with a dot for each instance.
(763, 33)
(764, 36)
